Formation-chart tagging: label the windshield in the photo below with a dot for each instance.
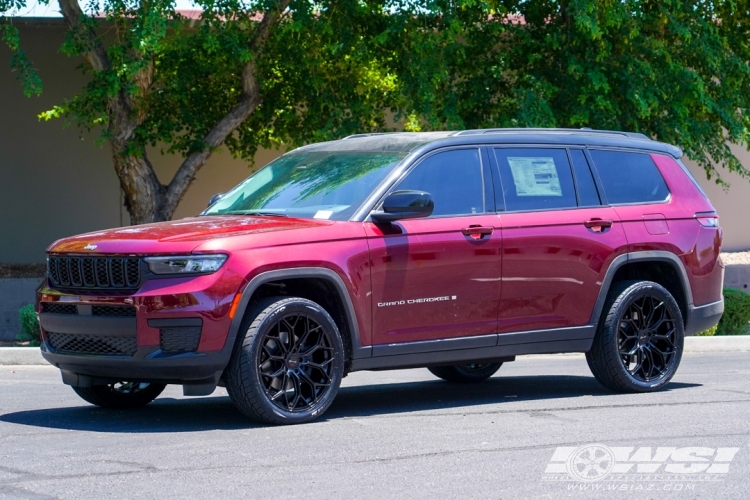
(309, 184)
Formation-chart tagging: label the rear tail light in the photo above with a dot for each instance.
(707, 219)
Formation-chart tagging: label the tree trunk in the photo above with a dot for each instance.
(146, 199)
(144, 194)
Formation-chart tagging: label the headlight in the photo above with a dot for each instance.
(189, 264)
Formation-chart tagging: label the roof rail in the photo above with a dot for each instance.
(585, 130)
(356, 136)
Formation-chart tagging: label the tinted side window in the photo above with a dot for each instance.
(629, 177)
(536, 179)
(587, 193)
(453, 178)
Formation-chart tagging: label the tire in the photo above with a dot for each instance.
(288, 362)
(474, 372)
(638, 344)
(120, 394)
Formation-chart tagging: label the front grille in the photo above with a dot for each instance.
(108, 273)
(90, 344)
(173, 340)
(57, 308)
(117, 311)
(106, 310)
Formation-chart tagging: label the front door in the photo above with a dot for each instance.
(439, 277)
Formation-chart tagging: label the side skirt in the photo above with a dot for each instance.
(484, 348)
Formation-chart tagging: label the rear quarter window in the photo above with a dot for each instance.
(629, 177)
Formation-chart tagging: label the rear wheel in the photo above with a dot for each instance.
(638, 345)
(473, 372)
(121, 394)
(288, 363)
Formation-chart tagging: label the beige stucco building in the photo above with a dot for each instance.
(55, 182)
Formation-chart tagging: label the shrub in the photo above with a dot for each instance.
(29, 325)
(708, 333)
(736, 313)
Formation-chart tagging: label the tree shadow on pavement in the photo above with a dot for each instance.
(217, 413)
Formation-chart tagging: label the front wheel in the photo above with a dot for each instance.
(288, 363)
(473, 372)
(638, 345)
(120, 394)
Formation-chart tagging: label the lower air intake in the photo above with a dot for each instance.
(66, 343)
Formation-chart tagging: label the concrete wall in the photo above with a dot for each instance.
(733, 205)
(55, 182)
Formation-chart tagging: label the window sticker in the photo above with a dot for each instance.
(323, 214)
(535, 176)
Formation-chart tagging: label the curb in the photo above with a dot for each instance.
(723, 343)
(21, 356)
(738, 343)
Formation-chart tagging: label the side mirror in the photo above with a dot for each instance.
(215, 198)
(405, 205)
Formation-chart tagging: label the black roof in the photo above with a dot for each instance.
(409, 141)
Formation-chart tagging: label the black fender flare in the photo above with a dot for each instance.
(643, 256)
(358, 350)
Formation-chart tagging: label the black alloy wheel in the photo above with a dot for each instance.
(288, 363)
(472, 372)
(296, 363)
(638, 345)
(646, 338)
(123, 394)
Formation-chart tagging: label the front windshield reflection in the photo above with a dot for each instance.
(314, 184)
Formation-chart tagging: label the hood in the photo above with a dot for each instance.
(176, 236)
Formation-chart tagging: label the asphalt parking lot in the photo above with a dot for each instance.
(399, 434)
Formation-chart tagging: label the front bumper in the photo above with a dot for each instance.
(177, 332)
(198, 373)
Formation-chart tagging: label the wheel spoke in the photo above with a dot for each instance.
(297, 392)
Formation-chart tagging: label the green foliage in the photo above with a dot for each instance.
(29, 325)
(19, 62)
(675, 70)
(708, 333)
(736, 313)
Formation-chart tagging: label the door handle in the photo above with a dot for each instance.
(598, 225)
(477, 232)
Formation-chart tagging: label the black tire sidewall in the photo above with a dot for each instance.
(250, 347)
(611, 326)
(106, 397)
(457, 373)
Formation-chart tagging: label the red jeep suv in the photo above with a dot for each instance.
(455, 251)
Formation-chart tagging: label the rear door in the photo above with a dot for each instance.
(439, 277)
(558, 238)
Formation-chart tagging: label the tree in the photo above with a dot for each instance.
(286, 72)
(675, 70)
(266, 73)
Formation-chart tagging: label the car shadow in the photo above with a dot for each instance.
(217, 413)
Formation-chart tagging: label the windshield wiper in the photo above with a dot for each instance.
(254, 212)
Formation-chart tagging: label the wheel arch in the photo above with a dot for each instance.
(264, 283)
(661, 267)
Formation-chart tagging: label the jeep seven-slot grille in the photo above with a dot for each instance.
(95, 272)
(91, 344)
